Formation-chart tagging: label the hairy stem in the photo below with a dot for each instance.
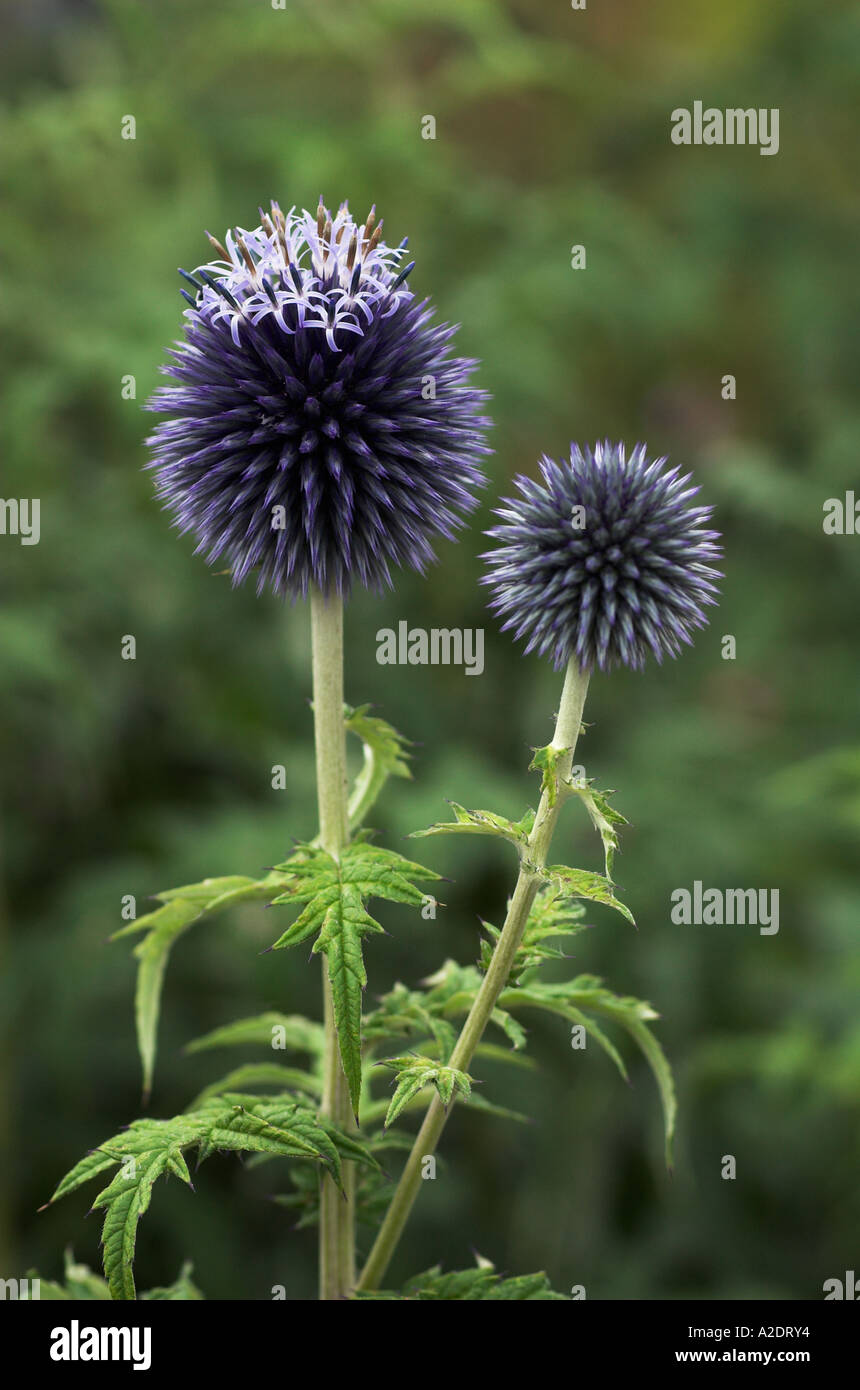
(337, 1216)
(568, 723)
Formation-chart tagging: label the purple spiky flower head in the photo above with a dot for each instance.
(605, 561)
(320, 430)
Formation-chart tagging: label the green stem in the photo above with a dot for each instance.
(337, 1216)
(568, 724)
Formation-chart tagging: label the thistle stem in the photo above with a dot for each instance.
(533, 860)
(337, 1216)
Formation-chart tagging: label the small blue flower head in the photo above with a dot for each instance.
(605, 560)
(319, 431)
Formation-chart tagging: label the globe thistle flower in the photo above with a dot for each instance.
(606, 561)
(320, 431)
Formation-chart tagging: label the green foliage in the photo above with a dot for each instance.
(182, 1290)
(482, 823)
(552, 915)
(372, 1189)
(386, 754)
(256, 1074)
(582, 883)
(447, 994)
(181, 908)
(335, 893)
(81, 1285)
(290, 1032)
(415, 1073)
(578, 1000)
(604, 818)
(150, 1149)
(152, 771)
(546, 761)
(403, 1012)
(471, 1285)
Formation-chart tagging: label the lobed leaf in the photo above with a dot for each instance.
(604, 818)
(582, 883)
(183, 1289)
(386, 754)
(578, 1000)
(150, 1149)
(552, 916)
(414, 1073)
(471, 1285)
(482, 823)
(546, 761)
(334, 893)
(180, 909)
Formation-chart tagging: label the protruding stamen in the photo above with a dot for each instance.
(320, 217)
(219, 288)
(407, 270)
(368, 227)
(350, 255)
(222, 250)
(247, 258)
(374, 240)
(326, 240)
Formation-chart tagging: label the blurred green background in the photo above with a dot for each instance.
(129, 777)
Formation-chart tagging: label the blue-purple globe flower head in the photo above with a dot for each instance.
(606, 560)
(320, 431)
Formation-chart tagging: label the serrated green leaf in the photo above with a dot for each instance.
(633, 1019)
(604, 818)
(334, 893)
(471, 1285)
(180, 909)
(125, 1200)
(578, 1000)
(414, 1073)
(149, 1149)
(183, 1289)
(286, 1129)
(84, 1170)
(546, 761)
(386, 754)
(582, 883)
(551, 916)
(482, 823)
(402, 1012)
